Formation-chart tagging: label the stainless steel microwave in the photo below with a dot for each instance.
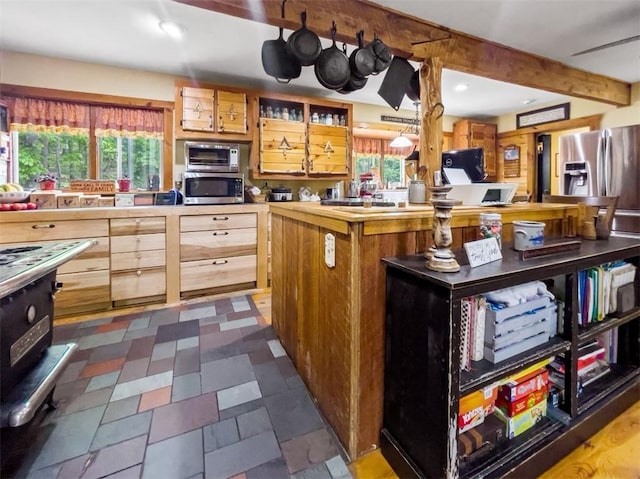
(206, 188)
(211, 156)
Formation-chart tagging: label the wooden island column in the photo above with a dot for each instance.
(330, 320)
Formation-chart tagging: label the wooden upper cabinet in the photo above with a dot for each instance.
(282, 146)
(197, 109)
(474, 134)
(211, 112)
(231, 109)
(328, 150)
(302, 137)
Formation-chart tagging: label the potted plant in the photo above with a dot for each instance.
(47, 181)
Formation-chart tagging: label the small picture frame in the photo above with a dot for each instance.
(511, 153)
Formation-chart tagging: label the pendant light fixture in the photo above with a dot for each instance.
(402, 141)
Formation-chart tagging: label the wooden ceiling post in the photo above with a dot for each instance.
(431, 121)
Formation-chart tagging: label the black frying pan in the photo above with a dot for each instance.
(303, 44)
(332, 67)
(276, 59)
(362, 60)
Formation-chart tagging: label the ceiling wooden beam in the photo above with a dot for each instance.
(399, 31)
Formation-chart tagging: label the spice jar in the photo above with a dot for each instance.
(491, 226)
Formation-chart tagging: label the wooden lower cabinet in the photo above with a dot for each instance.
(85, 278)
(138, 259)
(218, 251)
(205, 274)
(138, 284)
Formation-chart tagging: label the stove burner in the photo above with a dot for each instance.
(22, 249)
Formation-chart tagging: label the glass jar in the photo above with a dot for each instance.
(269, 112)
(491, 226)
(300, 115)
(342, 120)
(261, 111)
(336, 119)
(276, 113)
(315, 118)
(285, 113)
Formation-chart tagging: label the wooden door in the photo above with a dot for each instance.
(231, 109)
(282, 146)
(197, 109)
(328, 150)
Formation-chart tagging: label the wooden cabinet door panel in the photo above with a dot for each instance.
(123, 244)
(199, 245)
(282, 146)
(231, 109)
(138, 284)
(138, 259)
(82, 289)
(328, 150)
(195, 275)
(134, 226)
(52, 230)
(197, 109)
(93, 259)
(215, 222)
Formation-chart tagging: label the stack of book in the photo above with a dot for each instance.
(597, 290)
(593, 363)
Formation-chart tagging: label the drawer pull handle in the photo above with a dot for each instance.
(220, 218)
(220, 233)
(138, 239)
(37, 227)
(138, 221)
(139, 255)
(138, 272)
(220, 261)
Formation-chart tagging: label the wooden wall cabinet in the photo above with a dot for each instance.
(302, 138)
(424, 380)
(474, 134)
(207, 111)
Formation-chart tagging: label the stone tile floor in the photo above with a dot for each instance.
(198, 391)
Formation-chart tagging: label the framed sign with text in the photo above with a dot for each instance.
(543, 115)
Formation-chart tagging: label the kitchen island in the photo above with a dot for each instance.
(330, 319)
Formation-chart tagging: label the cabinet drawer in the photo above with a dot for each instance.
(199, 245)
(93, 259)
(221, 221)
(138, 284)
(138, 259)
(195, 275)
(53, 230)
(82, 288)
(132, 226)
(124, 244)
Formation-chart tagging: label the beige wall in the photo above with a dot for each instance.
(611, 116)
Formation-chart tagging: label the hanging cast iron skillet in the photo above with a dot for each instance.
(356, 82)
(276, 59)
(413, 88)
(381, 53)
(332, 66)
(303, 44)
(361, 60)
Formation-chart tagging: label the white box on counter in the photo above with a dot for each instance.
(124, 199)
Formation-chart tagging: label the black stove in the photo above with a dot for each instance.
(29, 364)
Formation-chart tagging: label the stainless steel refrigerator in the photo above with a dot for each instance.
(605, 163)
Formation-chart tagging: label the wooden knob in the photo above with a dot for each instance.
(139, 255)
(138, 221)
(138, 272)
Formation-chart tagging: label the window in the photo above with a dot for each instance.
(374, 155)
(89, 138)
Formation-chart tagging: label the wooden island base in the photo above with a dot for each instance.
(330, 320)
